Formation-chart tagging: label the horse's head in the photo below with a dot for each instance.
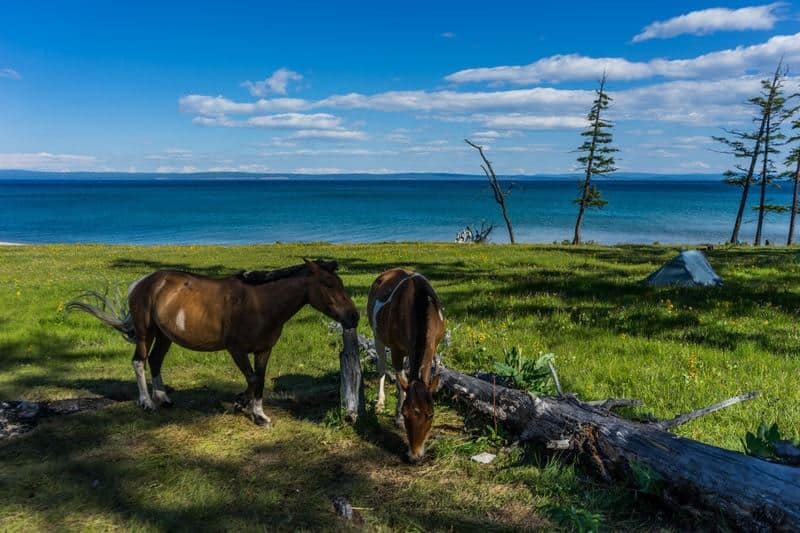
(417, 411)
(326, 293)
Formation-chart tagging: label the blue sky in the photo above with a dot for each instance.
(377, 87)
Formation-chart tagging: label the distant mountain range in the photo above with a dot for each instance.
(8, 174)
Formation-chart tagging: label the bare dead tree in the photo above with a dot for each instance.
(499, 193)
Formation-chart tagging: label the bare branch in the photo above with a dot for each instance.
(555, 379)
(688, 417)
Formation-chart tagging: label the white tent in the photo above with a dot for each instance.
(687, 269)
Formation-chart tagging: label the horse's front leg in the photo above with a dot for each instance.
(257, 408)
(380, 349)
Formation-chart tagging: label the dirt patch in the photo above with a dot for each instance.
(20, 416)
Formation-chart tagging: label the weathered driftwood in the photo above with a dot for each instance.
(351, 384)
(748, 493)
(730, 489)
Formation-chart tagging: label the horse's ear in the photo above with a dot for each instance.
(313, 267)
(402, 380)
(434, 384)
(331, 266)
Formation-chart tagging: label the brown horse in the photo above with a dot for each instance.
(406, 316)
(242, 314)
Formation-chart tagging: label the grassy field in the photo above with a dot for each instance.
(202, 466)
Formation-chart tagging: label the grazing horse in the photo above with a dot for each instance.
(242, 314)
(406, 316)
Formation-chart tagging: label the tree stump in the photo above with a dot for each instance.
(351, 383)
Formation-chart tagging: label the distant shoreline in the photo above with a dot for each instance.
(19, 175)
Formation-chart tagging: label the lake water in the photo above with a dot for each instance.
(342, 209)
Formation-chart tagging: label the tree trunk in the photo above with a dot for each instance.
(793, 214)
(499, 195)
(576, 237)
(351, 384)
(749, 493)
(508, 221)
(754, 159)
(763, 197)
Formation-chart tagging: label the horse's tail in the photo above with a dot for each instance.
(424, 299)
(107, 312)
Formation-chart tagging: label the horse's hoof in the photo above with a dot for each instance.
(241, 401)
(400, 422)
(379, 407)
(146, 404)
(168, 404)
(265, 423)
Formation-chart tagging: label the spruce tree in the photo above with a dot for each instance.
(774, 110)
(793, 173)
(597, 158)
(747, 145)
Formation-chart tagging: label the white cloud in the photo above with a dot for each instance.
(452, 101)
(197, 104)
(524, 121)
(712, 20)
(318, 170)
(734, 61)
(313, 121)
(275, 83)
(339, 134)
(398, 136)
(310, 152)
(172, 154)
(183, 169)
(47, 161)
(317, 121)
(448, 35)
(10, 74)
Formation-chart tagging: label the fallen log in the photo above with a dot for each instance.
(749, 493)
(710, 483)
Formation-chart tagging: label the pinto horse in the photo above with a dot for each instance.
(242, 314)
(406, 316)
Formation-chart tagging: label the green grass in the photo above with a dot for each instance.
(200, 465)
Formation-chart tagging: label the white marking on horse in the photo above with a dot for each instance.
(378, 305)
(159, 391)
(180, 320)
(141, 381)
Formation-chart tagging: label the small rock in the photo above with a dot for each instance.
(484, 458)
(343, 507)
(27, 409)
(95, 483)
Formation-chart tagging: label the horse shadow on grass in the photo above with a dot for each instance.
(316, 399)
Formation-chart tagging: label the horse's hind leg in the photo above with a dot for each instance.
(139, 358)
(157, 354)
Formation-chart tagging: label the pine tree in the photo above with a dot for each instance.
(774, 110)
(793, 173)
(598, 158)
(748, 146)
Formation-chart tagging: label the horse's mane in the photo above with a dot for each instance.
(260, 277)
